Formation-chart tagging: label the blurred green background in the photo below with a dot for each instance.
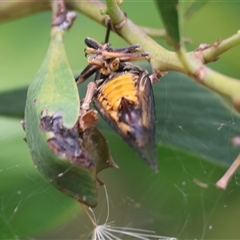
(194, 132)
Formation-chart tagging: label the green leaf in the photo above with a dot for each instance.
(29, 204)
(194, 212)
(12, 102)
(182, 200)
(54, 93)
(190, 116)
(169, 13)
(192, 8)
(170, 197)
(97, 146)
(193, 118)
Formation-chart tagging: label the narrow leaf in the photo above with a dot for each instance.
(169, 13)
(12, 102)
(192, 8)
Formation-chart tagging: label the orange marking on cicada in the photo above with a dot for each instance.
(117, 89)
(122, 82)
(124, 95)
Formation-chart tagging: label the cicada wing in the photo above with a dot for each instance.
(145, 130)
(135, 122)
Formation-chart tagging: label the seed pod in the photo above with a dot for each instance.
(51, 114)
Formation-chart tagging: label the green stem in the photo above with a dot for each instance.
(89, 8)
(116, 14)
(55, 7)
(211, 54)
(161, 60)
(223, 182)
(227, 86)
(224, 85)
(10, 10)
(161, 33)
(154, 32)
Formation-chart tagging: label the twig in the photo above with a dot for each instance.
(161, 33)
(10, 10)
(59, 12)
(161, 60)
(61, 17)
(219, 47)
(222, 84)
(223, 182)
(89, 215)
(117, 16)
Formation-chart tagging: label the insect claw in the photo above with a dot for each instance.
(156, 76)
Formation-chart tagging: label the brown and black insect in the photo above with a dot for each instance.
(124, 96)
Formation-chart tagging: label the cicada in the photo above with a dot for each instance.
(124, 95)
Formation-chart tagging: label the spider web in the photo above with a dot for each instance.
(194, 136)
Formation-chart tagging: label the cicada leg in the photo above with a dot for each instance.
(89, 51)
(86, 73)
(155, 76)
(125, 57)
(91, 89)
(128, 49)
(88, 117)
(91, 43)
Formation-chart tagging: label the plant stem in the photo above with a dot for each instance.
(223, 182)
(161, 33)
(161, 59)
(117, 16)
(216, 81)
(89, 215)
(10, 10)
(91, 9)
(210, 54)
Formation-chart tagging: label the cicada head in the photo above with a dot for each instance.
(125, 100)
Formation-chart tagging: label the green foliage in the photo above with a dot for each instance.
(54, 93)
(169, 14)
(194, 136)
